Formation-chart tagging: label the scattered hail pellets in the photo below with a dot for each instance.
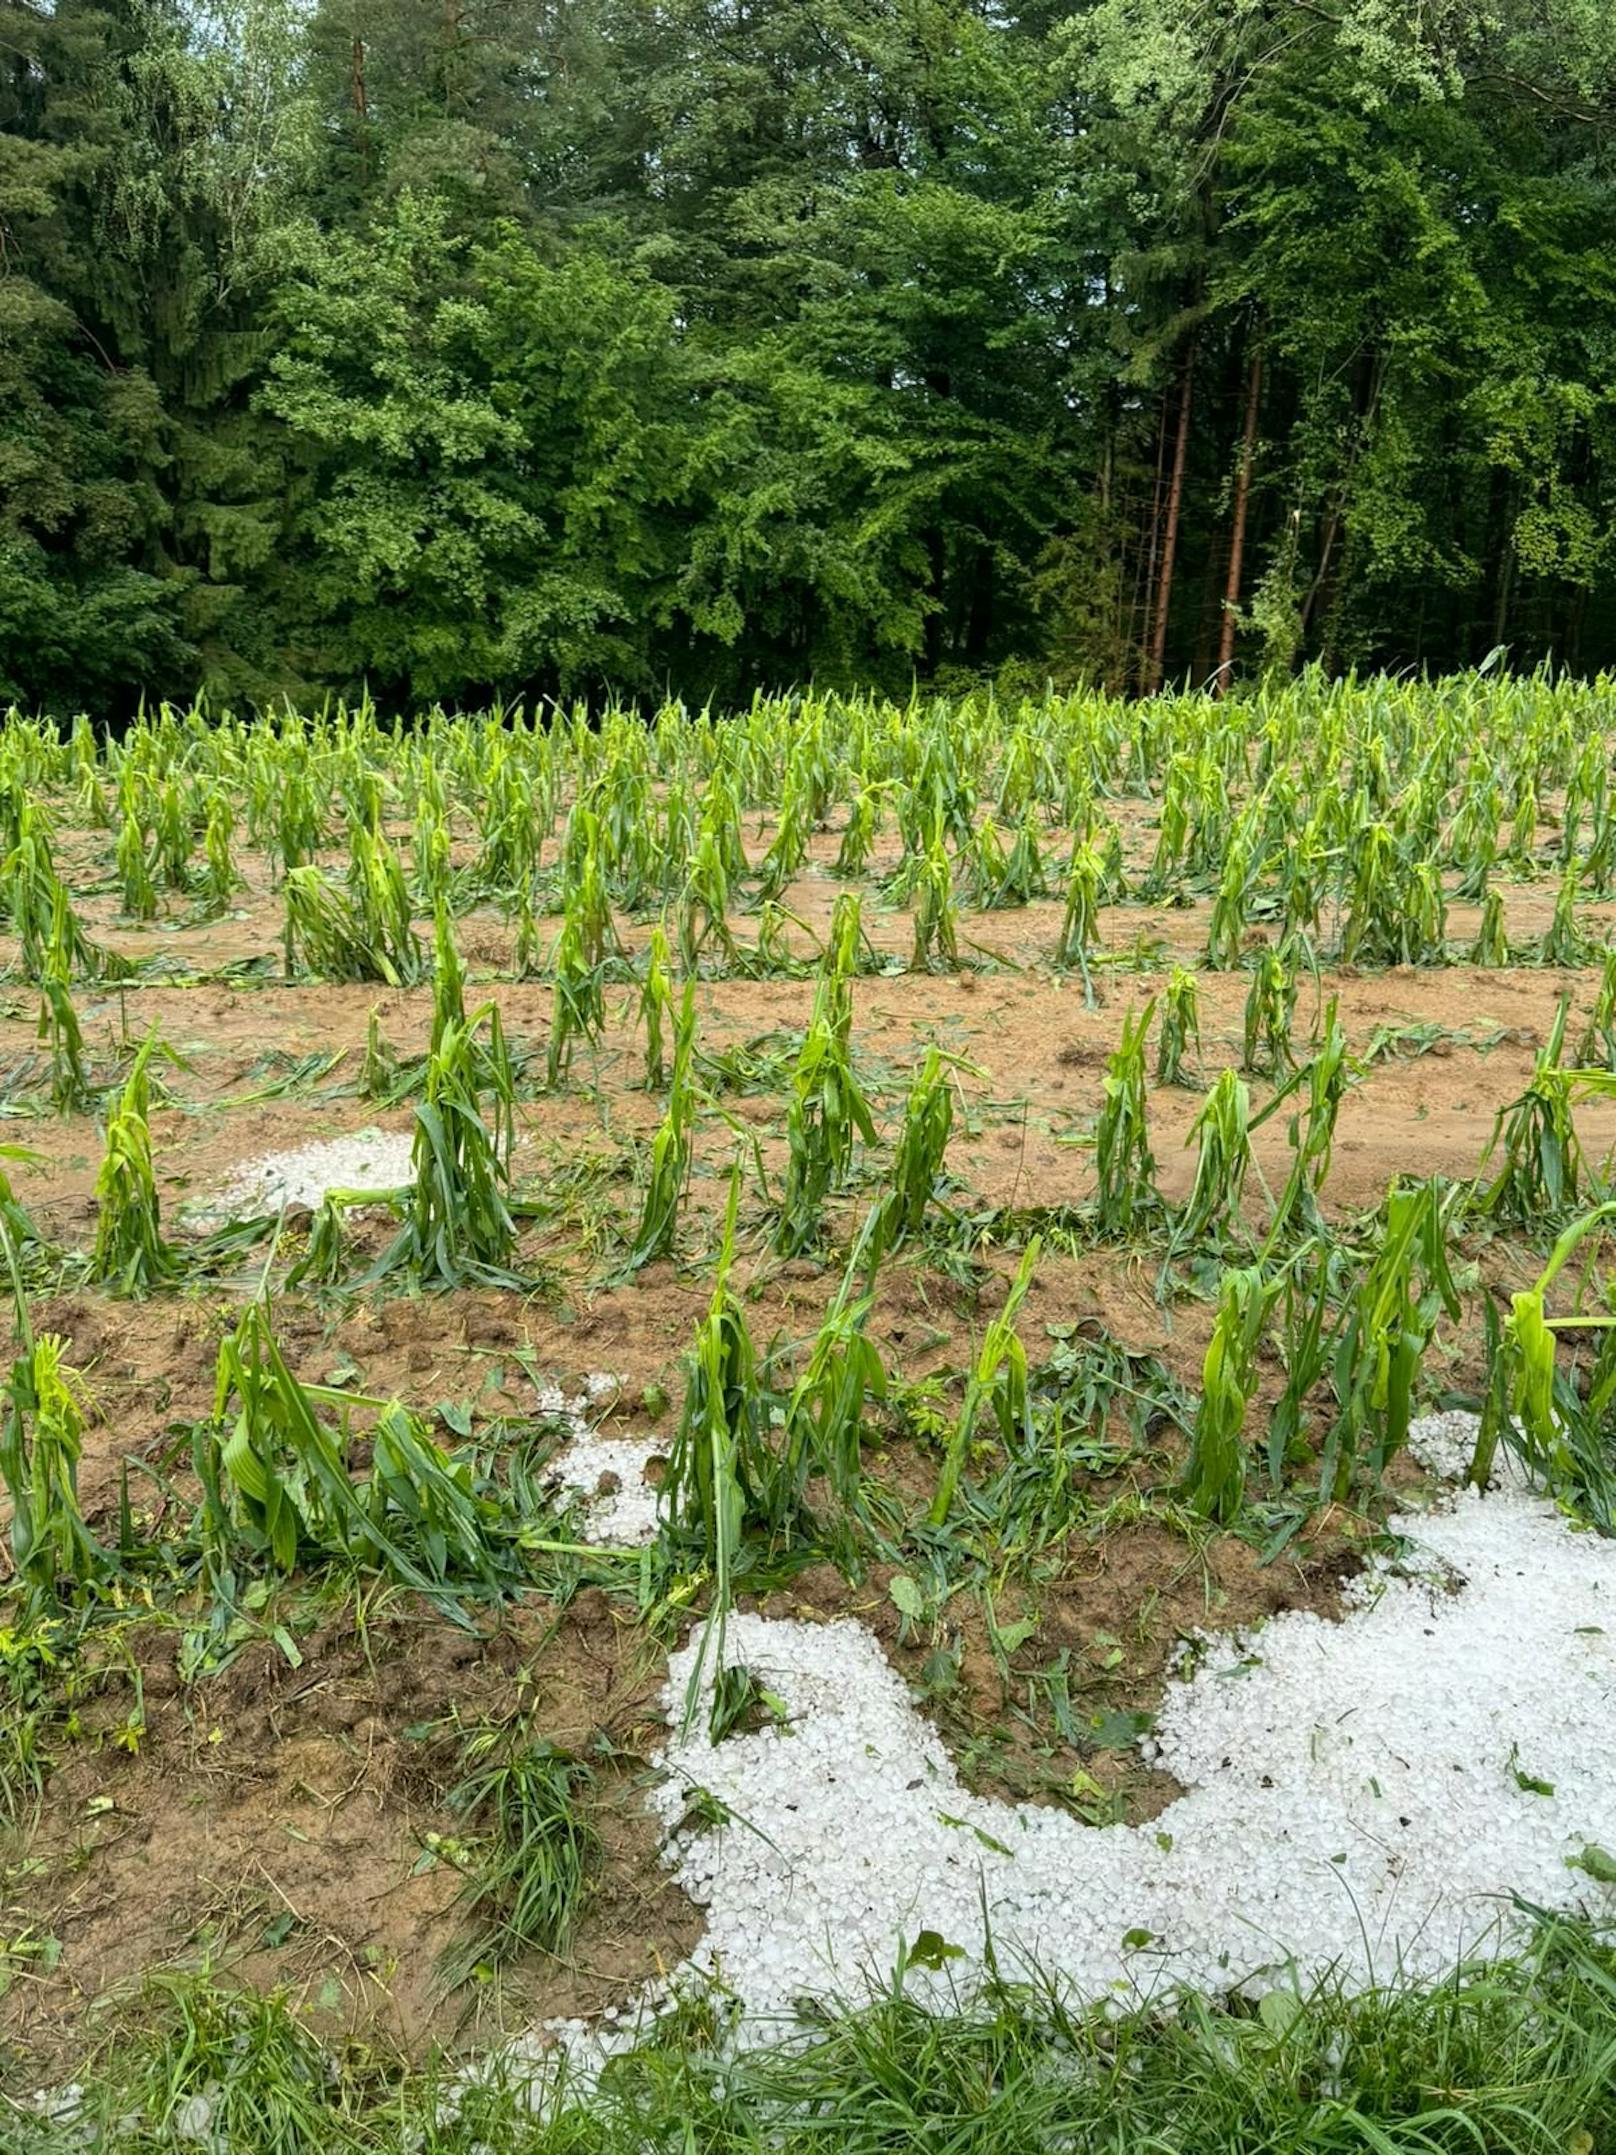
(557, 2064)
(369, 1160)
(1443, 1443)
(58, 2106)
(608, 1473)
(1364, 1795)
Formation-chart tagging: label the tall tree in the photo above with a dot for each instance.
(461, 345)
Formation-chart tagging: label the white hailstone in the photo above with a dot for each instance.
(1444, 1444)
(606, 1474)
(609, 1475)
(1359, 1796)
(1355, 1792)
(379, 1160)
(58, 2106)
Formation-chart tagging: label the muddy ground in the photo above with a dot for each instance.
(278, 1818)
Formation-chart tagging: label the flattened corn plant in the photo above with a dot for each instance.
(1541, 1170)
(704, 907)
(1215, 1476)
(1559, 1426)
(1326, 1079)
(458, 1226)
(578, 1009)
(1222, 1130)
(827, 1114)
(173, 836)
(22, 1241)
(1564, 942)
(656, 1007)
(220, 877)
(379, 1071)
(323, 1259)
(723, 1478)
(448, 978)
(72, 1091)
(139, 892)
(277, 1483)
(336, 938)
(936, 944)
(130, 1254)
(1124, 1165)
(772, 957)
(1181, 1028)
(527, 944)
(1080, 929)
(998, 1379)
(847, 953)
(997, 877)
(928, 1121)
(1396, 914)
(1491, 947)
(858, 836)
(825, 1414)
(54, 1556)
(671, 1147)
(1390, 1319)
(1598, 1049)
(1266, 1026)
(588, 900)
(789, 847)
(1242, 866)
(50, 936)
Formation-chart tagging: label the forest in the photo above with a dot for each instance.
(468, 350)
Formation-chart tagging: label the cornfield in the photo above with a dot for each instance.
(985, 1136)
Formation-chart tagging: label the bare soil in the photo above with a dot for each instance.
(273, 1819)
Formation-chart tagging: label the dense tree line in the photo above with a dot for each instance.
(473, 347)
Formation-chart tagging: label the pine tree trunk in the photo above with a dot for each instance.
(1169, 546)
(1237, 533)
(1504, 577)
(1573, 641)
(1143, 594)
(1506, 591)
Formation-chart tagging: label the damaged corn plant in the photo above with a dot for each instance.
(1009, 1171)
